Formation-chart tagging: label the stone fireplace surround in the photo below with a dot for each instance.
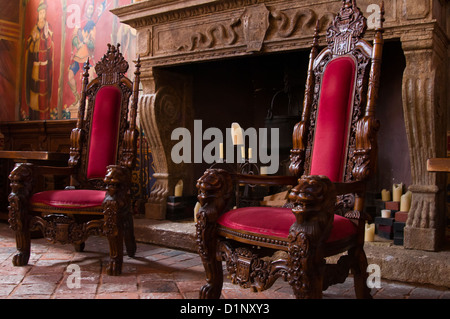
(179, 32)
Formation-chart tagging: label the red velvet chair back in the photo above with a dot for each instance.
(106, 130)
(333, 119)
(340, 96)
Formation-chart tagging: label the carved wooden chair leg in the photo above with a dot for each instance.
(19, 220)
(359, 270)
(23, 244)
(215, 189)
(130, 241)
(115, 212)
(358, 256)
(115, 240)
(207, 247)
(79, 247)
(214, 279)
(313, 198)
(305, 269)
(113, 230)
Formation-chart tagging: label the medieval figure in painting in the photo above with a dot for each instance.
(39, 66)
(83, 45)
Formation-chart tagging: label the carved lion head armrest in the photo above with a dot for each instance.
(117, 180)
(313, 200)
(215, 189)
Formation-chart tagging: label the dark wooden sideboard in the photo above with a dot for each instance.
(43, 142)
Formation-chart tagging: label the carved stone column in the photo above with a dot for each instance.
(425, 111)
(165, 105)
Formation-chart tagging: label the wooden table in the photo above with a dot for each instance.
(38, 157)
(34, 155)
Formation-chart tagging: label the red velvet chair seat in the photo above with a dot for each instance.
(276, 221)
(76, 199)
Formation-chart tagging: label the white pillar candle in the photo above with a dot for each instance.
(385, 195)
(385, 213)
(236, 134)
(405, 202)
(196, 209)
(263, 170)
(397, 190)
(221, 150)
(179, 188)
(369, 233)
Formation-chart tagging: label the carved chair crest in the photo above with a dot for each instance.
(112, 66)
(347, 29)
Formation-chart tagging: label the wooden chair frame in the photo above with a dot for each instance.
(256, 261)
(113, 218)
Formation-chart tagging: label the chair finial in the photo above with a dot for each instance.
(381, 27)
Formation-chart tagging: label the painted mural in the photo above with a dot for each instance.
(9, 58)
(59, 37)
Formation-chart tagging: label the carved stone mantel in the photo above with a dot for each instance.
(173, 32)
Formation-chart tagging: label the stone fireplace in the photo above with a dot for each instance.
(191, 50)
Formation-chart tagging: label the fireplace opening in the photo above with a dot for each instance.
(243, 90)
(264, 91)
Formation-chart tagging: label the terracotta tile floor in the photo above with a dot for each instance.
(154, 273)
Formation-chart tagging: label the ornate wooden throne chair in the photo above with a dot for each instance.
(334, 153)
(102, 155)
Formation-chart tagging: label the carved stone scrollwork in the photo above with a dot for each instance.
(165, 104)
(250, 27)
(303, 18)
(425, 112)
(216, 34)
